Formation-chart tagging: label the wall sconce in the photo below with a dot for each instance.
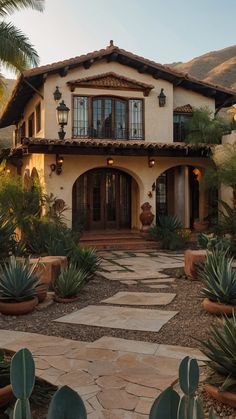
(58, 166)
(149, 194)
(62, 118)
(153, 187)
(57, 94)
(110, 161)
(151, 162)
(197, 173)
(162, 98)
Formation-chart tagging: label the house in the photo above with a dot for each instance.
(104, 132)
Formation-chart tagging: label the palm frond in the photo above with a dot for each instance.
(16, 52)
(8, 7)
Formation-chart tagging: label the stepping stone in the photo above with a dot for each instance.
(158, 281)
(140, 298)
(125, 345)
(157, 287)
(133, 276)
(127, 318)
(129, 282)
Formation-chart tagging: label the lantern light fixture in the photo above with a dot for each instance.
(62, 118)
(58, 166)
(57, 94)
(162, 99)
(110, 161)
(151, 162)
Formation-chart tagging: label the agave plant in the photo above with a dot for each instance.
(220, 348)
(218, 277)
(166, 231)
(7, 235)
(18, 280)
(69, 282)
(86, 259)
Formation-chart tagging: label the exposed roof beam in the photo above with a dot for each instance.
(33, 88)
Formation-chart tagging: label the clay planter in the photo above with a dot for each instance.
(200, 225)
(146, 217)
(16, 309)
(218, 308)
(6, 395)
(65, 300)
(225, 397)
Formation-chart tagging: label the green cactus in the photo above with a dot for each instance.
(169, 405)
(65, 404)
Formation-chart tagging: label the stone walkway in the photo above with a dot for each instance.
(117, 378)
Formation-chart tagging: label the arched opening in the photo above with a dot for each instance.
(103, 198)
(178, 193)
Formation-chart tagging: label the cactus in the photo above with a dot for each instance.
(169, 405)
(65, 404)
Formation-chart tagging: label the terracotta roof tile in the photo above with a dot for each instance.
(184, 109)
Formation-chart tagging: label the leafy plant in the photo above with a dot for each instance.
(203, 127)
(66, 403)
(7, 236)
(218, 277)
(169, 405)
(69, 282)
(167, 231)
(220, 348)
(86, 259)
(18, 281)
(211, 242)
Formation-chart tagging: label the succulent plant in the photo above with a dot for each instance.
(65, 404)
(169, 405)
(69, 282)
(86, 259)
(169, 231)
(218, 277)
(220, 348)
(18, 281)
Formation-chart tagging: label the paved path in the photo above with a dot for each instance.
(117, 378)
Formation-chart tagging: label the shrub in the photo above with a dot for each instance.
(69, 282)
(7, 237)
(211, 241)
(170, 233)
(220, 348)
(86, 259)
(17, 280)
(218, 277)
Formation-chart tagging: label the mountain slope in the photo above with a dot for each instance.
(217, 67)
(6, 133)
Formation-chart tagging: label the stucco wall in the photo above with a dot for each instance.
(184, 97)
(30, 108)
(137, 167)
(158, 120)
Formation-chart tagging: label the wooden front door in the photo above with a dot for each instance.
(102, 200)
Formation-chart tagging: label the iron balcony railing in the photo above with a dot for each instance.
(108, 133)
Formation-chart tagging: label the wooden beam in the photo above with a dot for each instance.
(33, 88)
(87, 64)
(142, 69)
(64, 71)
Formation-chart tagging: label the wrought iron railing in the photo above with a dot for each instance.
(108, 133)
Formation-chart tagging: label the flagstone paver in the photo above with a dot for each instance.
(158, 286)
(140, 298)
(128, 318)
(116, 378)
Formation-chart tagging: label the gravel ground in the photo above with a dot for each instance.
(190, 324)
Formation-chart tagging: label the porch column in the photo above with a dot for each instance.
(186, 198)
(182, 195)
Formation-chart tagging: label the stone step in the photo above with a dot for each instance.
(120, 245)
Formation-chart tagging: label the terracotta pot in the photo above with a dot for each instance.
(6, 395)
(146, 217)
(225, 397)
(65, 300)
(16, 309)
(200, 225)
(218, 308)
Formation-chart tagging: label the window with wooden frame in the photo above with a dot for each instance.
(179, 129)
(107, 117)
(31, 129)
(38, 117)
(22, 131)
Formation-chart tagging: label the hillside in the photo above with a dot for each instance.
(6, 133)
(217, 67)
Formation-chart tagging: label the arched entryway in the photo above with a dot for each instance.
(102, 200)
(178, 193)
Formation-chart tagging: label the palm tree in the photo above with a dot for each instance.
(16, 52)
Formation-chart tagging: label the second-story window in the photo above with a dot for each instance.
(38, 117)
(108, 117)
(31, 125)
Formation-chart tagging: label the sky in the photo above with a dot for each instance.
(163, 30)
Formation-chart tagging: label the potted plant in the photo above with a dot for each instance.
(18, 283)
(220, 348)
(219, 282)
(200, 225)
(6, 393)
(86, 259)
(68, 284)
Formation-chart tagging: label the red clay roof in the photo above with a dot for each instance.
(184, 109)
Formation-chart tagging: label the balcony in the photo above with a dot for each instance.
(109, 133)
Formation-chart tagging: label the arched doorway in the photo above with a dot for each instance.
(178, 193)
(102, 200)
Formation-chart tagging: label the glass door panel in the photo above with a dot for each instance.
(120, 119)
(111, 198)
